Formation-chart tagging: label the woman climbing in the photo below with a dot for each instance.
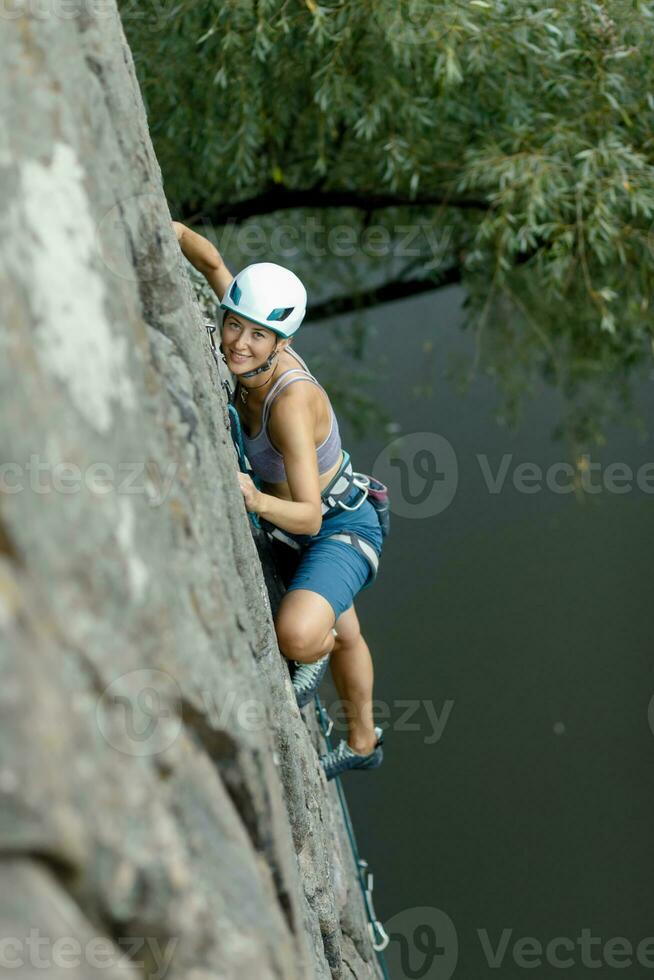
(307, 493)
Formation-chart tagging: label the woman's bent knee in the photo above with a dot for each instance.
(302, 624)
(298, 643)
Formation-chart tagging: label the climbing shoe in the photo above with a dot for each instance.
(342, 758)
(307, 678)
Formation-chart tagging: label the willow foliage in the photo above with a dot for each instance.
(539, 115)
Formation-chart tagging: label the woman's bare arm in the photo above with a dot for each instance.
(291, 428)
(205, 257)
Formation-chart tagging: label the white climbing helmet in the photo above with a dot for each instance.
(270, 295)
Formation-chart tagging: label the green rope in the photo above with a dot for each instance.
(377, 934)
(234, 420)
(237, 439)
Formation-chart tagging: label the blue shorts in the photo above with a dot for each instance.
(335, 569)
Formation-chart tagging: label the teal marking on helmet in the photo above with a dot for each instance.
(235, 293)
(280, 313)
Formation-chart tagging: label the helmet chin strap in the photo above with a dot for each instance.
(266, 366)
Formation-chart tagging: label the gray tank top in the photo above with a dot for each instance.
(267, 463)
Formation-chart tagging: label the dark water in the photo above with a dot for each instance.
(525, 621)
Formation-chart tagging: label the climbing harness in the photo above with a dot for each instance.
(378, 935)
(333, 502)
(336, 493)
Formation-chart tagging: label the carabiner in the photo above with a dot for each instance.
(364, 496)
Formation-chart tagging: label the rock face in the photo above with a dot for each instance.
(162, 809)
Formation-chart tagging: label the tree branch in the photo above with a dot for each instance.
(283, 199)
(388, 293)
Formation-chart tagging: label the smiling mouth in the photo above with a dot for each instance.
(239, 357)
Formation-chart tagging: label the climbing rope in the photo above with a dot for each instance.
(378, 936)
(234, 420)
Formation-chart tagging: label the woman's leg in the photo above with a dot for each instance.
(328, 576)
(353, 675)
(303, 624)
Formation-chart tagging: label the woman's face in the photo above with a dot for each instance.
(246, 345)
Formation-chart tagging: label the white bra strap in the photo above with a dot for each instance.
(289, 371)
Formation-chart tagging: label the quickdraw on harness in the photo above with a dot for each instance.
(378, 935)
(234, 420)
